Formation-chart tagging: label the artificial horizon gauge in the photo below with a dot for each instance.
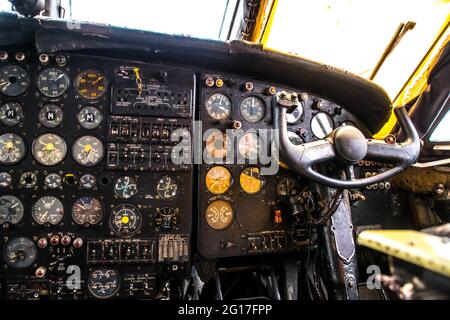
(90, 84)
(219, 215)
(218, 180)
(103, 283)
(28, 179)
(14, 80)
(11, 114)
(321, 125)
(287, 187)
(50, 116)
(53, 180)
(295, 115)
(88, 151)
(87, 181)
(87, 211)
(253, 109)
(53, 82)
(218, 106)
(11, 209)
(12, 149)
(5, 179)
(166, 219)
(20, 253)
(251, 180)
(49, 149)
(125, 220)
(217, 144)
(126, 187)
(249, 145)
(167, 187)
(89, 118)
(48, 210)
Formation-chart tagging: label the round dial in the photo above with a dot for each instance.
(53, 82)
(218, 106)
(5, 179)
(14, 80)
(321, 125)
(103, 283)
(251, 180)
(12, 149)
(48, 209)
(219, 214)
(89, 118)
(87, 210)
(295, 115)
(166, 219)
(11, 210)
(88, 151)
(28, 179)
(125, 220)
(53, 180)
(253, 109)
(49, 149)
(167, 187)
(87, 181)
(91, 84)
(126, 187)
(287, 187)
(11, 114)
(295, 138)
(249, 145)
(218, 180)
(217, 144)
(50, 116)
(20, 253)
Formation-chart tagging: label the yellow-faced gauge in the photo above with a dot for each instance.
(251, 180)
(218, 180)
(219, 214)
(91, 84)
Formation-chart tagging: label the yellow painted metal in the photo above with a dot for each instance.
(422, 249)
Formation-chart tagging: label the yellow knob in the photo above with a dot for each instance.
(87, 148)
(49, 147)
(125, 219)
(9, 145)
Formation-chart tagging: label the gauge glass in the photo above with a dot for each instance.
(14, 80)
(103, 283)
(5, 179)
(28, 179)
(89, 118)
(12, 149)
(166, 219)
(87, 181)
(218, 106)
(87, 210)
(91, 84)
(50, 116)
(217, 144)
(88, 151)
(219, 214)
(167, 187)
(295, 138)
(251, 180)
(53, 82)
(126, 187)
(20, 253)
(321, 125)
(125, 220)
(11, 209)
(218, 180)
(249, 145)
(49, 149)
(11, 114)
(295, 115)
(53, 181)
(253, 109)
(48, 209)
(287, 187)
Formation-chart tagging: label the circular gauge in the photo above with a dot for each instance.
(295, 138)
(126, 187)
(53, 181)
(5, 179)
(49, 149)
(253, 109)
(50, 116)
(218, 106)
(218, 180)
(53, 82)
(14, 80)
(11, 210)
(88, 151)
(249, 145)
(125, 220)
(12, 149)
(28, 179)
(287, 187)
(91, 84)
(48, 209)
(321, 125)
(217, 144)
(167, 187)
(103, 283)
(87, 210)
(166, 219)
(251, 180)
(11, 114)
(20, 253)
(89, 118)
(295, 115)
(219, 215)
(87, 181)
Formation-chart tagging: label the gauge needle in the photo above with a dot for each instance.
(6, 86)
(98, 79)
(79, 205)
